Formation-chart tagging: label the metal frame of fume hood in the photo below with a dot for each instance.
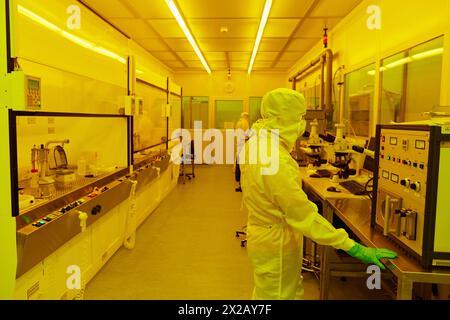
(13, 114)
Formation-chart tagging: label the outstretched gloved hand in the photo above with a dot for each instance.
(371, 255)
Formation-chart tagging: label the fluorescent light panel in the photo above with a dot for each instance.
(80, 41)
(418, 56)
(187, 33)
(262, 25)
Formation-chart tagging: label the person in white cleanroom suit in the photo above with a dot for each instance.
(243, 125)
(279, 212)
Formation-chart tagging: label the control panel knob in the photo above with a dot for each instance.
(96, 209)
(405, 182)
(415, 186)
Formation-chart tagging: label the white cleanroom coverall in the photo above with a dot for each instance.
(279, 212)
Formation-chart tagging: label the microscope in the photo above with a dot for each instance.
(342, 153)
(313, 148)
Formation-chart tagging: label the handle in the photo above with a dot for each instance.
(387, 214)
(83, 219)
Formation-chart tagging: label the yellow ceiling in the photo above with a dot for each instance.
(293, 27)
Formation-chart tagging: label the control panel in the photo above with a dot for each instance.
(56, 214)
(405, 200)
(32, 92)
(43, 229)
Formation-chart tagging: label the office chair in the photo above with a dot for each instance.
(188, 158)
(242, 232)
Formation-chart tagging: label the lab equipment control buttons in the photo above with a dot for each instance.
(96, 209)
(405, 182)
(415, 186)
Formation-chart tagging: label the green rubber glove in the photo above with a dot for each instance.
(371, 255)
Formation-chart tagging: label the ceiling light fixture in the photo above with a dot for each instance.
(69, 36)
(262, 25)
(187, 33)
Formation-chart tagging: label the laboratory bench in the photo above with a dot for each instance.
(354, 214)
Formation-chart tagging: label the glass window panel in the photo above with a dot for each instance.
(195, 109)
(150, 127)
(423, 87)
(358, 101)
(255, 109)
(175, 119)
(411, 82)
(391, 89)
(228, 113)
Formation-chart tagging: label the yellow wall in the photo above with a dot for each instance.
(403, 24)
(81, 71)
(214, 86)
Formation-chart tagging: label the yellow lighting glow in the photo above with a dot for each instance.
(187, 33)
(427, 54)
(262, 25)
(398, 63)
(418, 56)
(75, 39)
(29, 14)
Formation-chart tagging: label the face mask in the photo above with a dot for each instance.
(301, 128)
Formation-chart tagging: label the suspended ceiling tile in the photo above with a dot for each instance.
(265, 55)
(152, 44)
(239, 64)
(292, 55)
(164, 55)
(135, 28)
(173, 63)
(237, 28)
(272, 44)
(262, 64)
(300, 44)
(226, 44)
(280, 28)
(109, 9)
(285, 64)
(187, 55)
(240, 56)
(221, 9)
(194, 63)
(218, 64)
(333, 8)
(290, 9)
(313, 28)
(150, 9)
(167, 28)
(179, 44)
(210, 56)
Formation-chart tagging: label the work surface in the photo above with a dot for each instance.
(355, 212)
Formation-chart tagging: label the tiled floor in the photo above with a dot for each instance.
(187, 249)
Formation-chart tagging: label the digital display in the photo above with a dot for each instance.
(394, 178)
(385, 174)
(33, 84)
(393, 141)
(420, 144)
